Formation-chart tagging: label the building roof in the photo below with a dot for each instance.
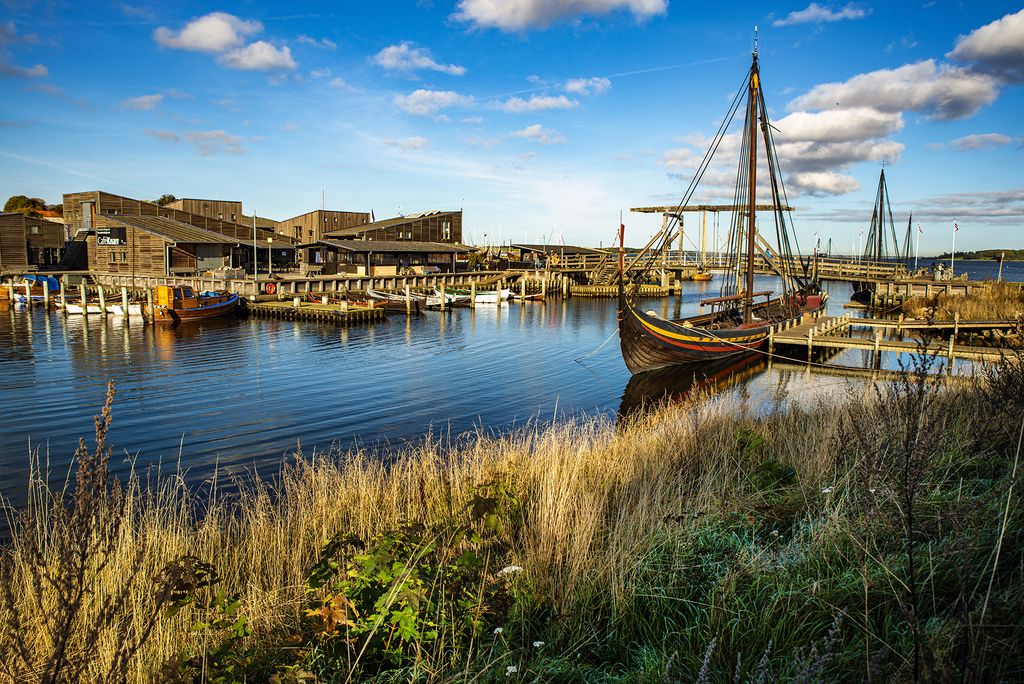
(385, 223)
(556, 249)
(391, 246)
(169, 229)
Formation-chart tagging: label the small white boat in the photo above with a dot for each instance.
(118, 310)
(485, 296)
(76, 309)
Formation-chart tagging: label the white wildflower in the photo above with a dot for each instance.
(498, 630)
(827, 490)
(871, 491)
(508, 570)
(510, 670)
(538, 644)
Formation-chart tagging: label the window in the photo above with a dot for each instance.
(232, 217)
(298, 232)
(220, 217)
(447, 227)
(112, 257)
(124, 257)
(33, 230)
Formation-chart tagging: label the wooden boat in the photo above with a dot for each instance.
(31, 289)
(486, 296)
(702, 276)
(535, 297)
(181, 303)
(738, 324)
(876, 246)
(367, 303)
(395, 303)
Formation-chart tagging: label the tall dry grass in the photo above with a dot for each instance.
(624, 530)
(998, 301)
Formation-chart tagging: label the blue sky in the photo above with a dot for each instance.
(543, 119)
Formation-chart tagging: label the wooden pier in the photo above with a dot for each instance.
(301, 310)
(833, 332)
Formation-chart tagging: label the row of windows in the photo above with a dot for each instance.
(117, 257)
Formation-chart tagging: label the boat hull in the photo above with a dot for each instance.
(225, 306)
(649, 342)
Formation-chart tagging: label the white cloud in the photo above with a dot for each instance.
(996, 48)
(407, 57)
(519, 15)
(835, 125)
(822, 183)
(259, 56)
(338, 83)
(324, 43)
(588, 86)
(320, 73)
(414, 143)
(9, 36)
(425, 102)
(817, 14)
(940, 92)
(213, 142)
(538, 103)
(539, 134)
(214, 32)
(981, 141)
(143, 103)
(165, 136)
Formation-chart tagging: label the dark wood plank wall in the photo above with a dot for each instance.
(424, 229)
(106, 203)
(13, 245)
(146, 250)
(314, 224)
(218, 209)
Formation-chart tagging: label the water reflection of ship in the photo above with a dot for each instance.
(676, 383)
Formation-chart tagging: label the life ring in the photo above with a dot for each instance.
(271, 288)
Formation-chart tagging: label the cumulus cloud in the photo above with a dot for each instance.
(996, 48)
(588, 86)
(521, 15)
(15, 71)
(835, 125)
(416, 142)
(818, 14)
(821, 183)
(214, 32)
(323, 43)
(981, 141)
(225, 35)
(939, 92)
(144, 103)
(259, 56)
(338, 83)
(425, 102)
(407, 57)
(538, 103)
(539, 135)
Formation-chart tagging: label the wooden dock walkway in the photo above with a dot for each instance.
(332, 313)
(833, 332)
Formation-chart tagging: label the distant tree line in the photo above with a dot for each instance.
(30, 206)
(987, 254)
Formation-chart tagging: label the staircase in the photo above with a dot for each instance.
(75, 254)
(606, 272)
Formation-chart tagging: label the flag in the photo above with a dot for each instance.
(372, 219)
(955, 227)
(919, 228)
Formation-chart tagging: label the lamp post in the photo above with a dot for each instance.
(270, 257)
(255, 261)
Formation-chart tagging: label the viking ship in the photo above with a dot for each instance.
(876, 247)
(740, 319)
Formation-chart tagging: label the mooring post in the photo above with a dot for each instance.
(522, 286)
(103, 300)
(956, 323)
(150, 311)
(28, 294)
(878, 340)
(810, 343)
(544, 288)
(81, 289)
(10, 292)
(295, 302)
(442, 294)
(124, 302)
(472, 294)
(408, 301)
(771, 340)
(63, 298)
(46, 294)
(565, 287)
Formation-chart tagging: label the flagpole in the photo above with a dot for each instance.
(952, 254)
(917, 247)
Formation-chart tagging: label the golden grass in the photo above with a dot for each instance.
(999, 301)
(596, 497)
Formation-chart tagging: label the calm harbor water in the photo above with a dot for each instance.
(242, 394)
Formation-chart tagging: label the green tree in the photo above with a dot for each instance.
(166, 199)
(26, 205)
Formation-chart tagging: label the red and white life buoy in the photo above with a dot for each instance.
(271, 288)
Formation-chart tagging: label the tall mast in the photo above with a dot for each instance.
(752, 94)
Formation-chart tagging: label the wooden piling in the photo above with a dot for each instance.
(522, 288)
(10, 293)
(565, 287)
(103, 300)
(28, 294)
(63, 297)
(472, 293)
(543, 289)
(442, 294)
(408, 301)
(81, 290)
(150, 311)
(46, 294)
(124, 302)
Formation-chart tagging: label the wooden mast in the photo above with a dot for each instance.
(752, 187)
